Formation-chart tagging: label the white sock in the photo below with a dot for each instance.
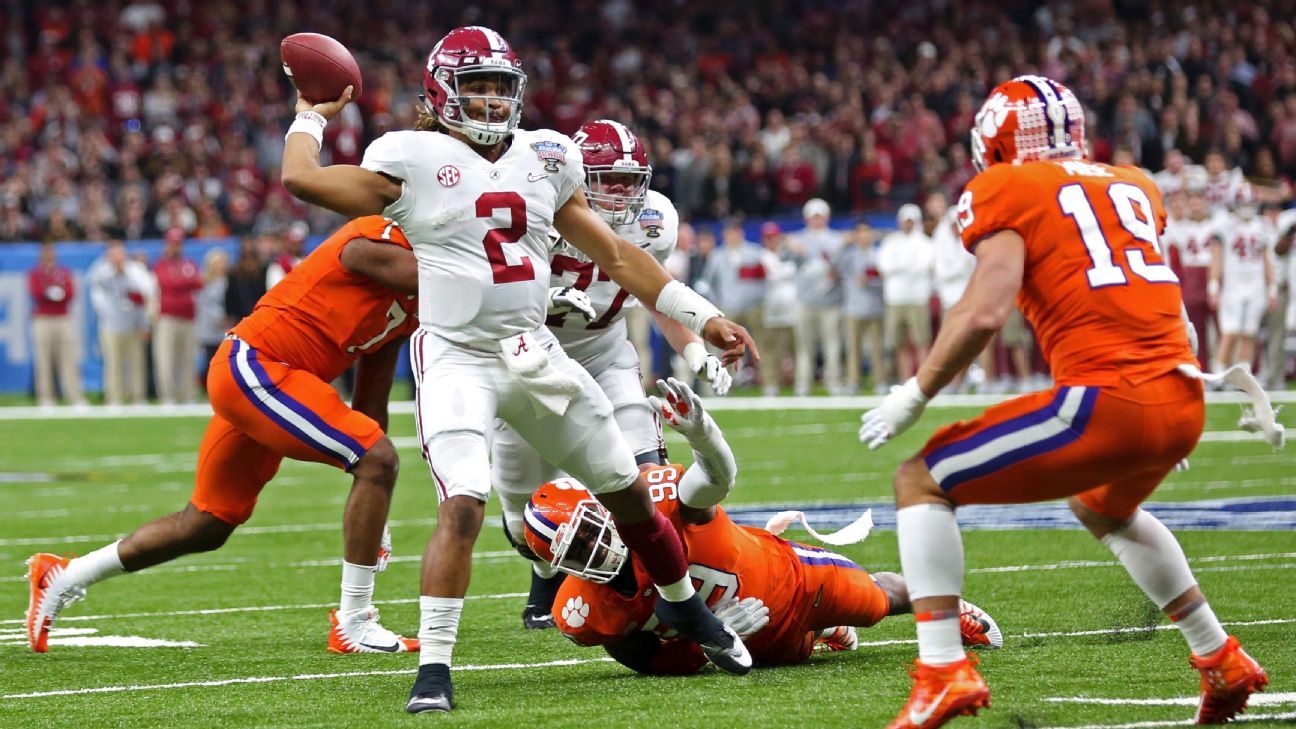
(931, 550)
(939, 641)
(677, 591)
(1153, 558)
(544, 569)
(1202, 630)
(100, 564)
(357, 587)
(438, 628)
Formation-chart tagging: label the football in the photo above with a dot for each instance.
(319, 66)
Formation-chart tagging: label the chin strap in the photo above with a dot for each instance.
(1261, 416)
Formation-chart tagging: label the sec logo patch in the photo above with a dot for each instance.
(448, 175)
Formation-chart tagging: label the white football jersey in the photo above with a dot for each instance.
(1226, 189)
(479, 229)
(1192, 239)
(1246, 245)
(656, 231)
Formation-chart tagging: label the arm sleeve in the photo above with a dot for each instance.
(711, 477)
(993, 206)
(387, 155)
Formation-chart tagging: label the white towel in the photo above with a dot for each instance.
(853, 533)
(1261, 417)
(550, 389)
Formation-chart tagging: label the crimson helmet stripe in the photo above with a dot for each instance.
(1055, 113)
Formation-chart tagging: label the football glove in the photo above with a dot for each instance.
(384, 550)
(708, 366)
(682, 410)
(746, 616)
(566, 299)
(899, 410)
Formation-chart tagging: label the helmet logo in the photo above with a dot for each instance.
(992, 115)
(575, 611)
(448, 176)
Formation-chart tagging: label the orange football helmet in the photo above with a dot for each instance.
(568, 527)
(1028, 118)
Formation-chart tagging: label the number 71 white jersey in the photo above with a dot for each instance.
(480, 230)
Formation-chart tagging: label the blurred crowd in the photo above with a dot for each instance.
(128, 119)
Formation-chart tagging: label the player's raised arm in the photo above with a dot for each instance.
(392, 267)
(711, 477)
(346, 189)
(639, 273)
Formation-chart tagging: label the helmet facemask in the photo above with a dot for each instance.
(588, 546)
(619, 191)
(475, 115)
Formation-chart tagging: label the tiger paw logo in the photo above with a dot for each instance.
(992, 115)
(575, 612)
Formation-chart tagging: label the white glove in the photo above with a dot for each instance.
(682, 410)
(384, 550)
(565, 299)
(708, 366)
(746, 616)
(899, 410)
(1181, 466)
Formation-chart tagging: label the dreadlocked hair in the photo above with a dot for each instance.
(426, 122)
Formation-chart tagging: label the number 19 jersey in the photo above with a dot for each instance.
(479, 229)
(1096, 287)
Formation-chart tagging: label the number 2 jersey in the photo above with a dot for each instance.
(1096, 287)
(479, 229)
(655, 231)
(805, 588)
(321, 317)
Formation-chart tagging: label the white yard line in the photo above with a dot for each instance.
(1278, 699)
(298, 677)
(270, 529)
(1283, 716)
(1088, 633)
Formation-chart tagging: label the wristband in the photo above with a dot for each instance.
(695, 356)
(685, 305)
(311, 123)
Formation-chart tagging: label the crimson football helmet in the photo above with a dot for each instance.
(566, 526)
(457, 58)
(617, 172)
(1028, 118)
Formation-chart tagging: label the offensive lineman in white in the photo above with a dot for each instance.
(1241, 286)
(587, 315)
(477, 198)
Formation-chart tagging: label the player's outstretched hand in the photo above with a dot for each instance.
(327, 109)
(730, 337)
(682, 410)
(716, 374)
(900, 409)
(746, 616)
(564, 299)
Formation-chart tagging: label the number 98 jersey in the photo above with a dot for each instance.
(656, 231)
(479, 229)
(1096, 287)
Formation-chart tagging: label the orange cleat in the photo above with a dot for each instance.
(1229, 677)
(941, 693)
(977, 628)
(46, 599)
(840, 638)
(360, 632)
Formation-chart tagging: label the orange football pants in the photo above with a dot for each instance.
(1111, 446)
(267, 411)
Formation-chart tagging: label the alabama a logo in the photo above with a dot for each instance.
(651, 221)
(551, 154)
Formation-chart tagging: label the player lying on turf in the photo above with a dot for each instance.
(1076, 245)
(781, 596)
(587, 315)
(352, 300)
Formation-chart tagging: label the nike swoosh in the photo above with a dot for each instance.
(918, 717)
(533, 177)
(394, 647)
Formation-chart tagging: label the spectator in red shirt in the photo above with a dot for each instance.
(175, 338)
(58, 345)
(796, 179)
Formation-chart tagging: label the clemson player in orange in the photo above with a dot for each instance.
(352, 300)
(1076, 245)
(781, 597)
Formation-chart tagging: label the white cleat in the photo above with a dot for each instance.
(978, 629)
(360, 632)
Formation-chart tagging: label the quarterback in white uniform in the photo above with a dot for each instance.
(1241, 284)
(587, 314)
(477, 199)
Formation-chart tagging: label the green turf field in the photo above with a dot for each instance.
(1076, 628)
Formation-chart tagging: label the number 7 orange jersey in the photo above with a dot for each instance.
(1096, 288)
(321, 317)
